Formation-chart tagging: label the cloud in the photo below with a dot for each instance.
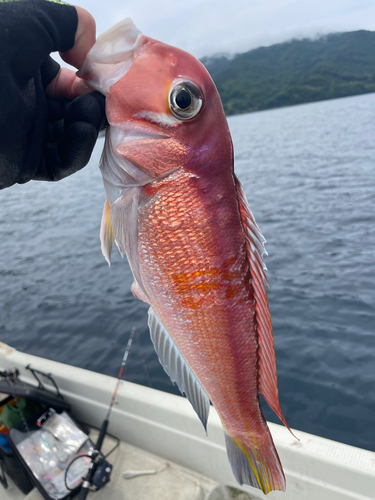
(214, 26)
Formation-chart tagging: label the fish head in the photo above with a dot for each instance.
(163, 101)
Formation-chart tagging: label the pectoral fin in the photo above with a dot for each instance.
(137, 292)
(106, 233)
(177, 368)
(124, 221)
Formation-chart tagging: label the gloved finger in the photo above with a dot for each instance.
(71, 136)
(84, 39)
(56, 110)
(32, 32)
(88, 108)
(69, 150)
(49, 69)
(76, 147)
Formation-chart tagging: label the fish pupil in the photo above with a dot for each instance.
(183, 99)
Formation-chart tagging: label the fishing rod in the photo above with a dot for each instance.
(99, 469)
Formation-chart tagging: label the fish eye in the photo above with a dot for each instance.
(185, 100)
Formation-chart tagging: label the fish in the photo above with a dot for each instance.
(178, 212)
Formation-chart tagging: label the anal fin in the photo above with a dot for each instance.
(176, 367)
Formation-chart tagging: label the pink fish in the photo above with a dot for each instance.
(176, 209)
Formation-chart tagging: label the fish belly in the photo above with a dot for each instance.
(194, 267)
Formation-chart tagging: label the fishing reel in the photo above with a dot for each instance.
(99, 474)
(102, 473)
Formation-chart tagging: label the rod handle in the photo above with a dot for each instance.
(83, 492)
(102, 434)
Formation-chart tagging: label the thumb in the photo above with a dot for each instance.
(84, 39)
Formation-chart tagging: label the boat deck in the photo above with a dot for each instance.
(152, 424)
(169, 482)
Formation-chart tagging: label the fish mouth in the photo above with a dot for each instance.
(136, 131)
(136, 154)
(118, 173)
(111, 56)
(144, 148)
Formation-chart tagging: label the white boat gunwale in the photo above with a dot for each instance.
(166, 425)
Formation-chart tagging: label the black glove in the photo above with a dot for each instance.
(71, 136)
(40, 137)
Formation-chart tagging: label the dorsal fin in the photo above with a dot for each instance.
(255, 250)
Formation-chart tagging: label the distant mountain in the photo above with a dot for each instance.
(295, 72)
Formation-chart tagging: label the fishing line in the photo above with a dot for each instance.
(143, 361)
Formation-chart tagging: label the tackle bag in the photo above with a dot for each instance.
(43, 446)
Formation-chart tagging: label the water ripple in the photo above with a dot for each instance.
(309, 174)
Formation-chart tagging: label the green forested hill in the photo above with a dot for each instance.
(295, 72)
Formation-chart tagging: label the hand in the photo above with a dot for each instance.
(49, 122)
(66, 84)
(84, 117)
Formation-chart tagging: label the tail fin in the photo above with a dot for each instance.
(256, 464)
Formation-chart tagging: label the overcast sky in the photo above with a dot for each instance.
(214, 26)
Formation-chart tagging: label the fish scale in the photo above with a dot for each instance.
(198, 280)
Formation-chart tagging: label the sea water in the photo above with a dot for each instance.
(309, 174)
